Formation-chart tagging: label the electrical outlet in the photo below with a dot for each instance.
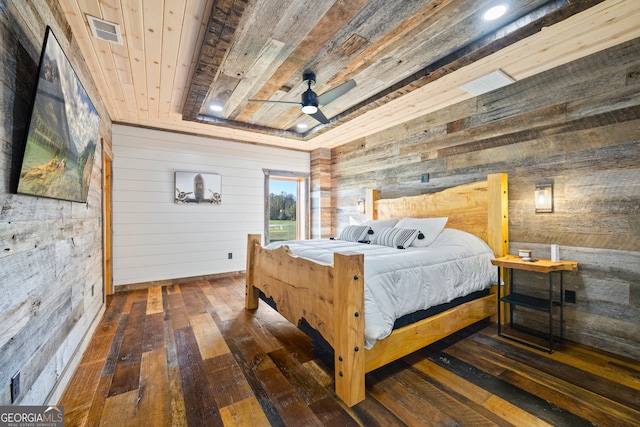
(569, 296)
(230, 255)
(424, 177)
(15, 387)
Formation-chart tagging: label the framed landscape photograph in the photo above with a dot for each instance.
(63, 131)
(193, 187)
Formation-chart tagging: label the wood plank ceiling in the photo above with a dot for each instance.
(408, 58)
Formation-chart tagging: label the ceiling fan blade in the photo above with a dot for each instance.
(320, 117)
(274, 102)
(333, 94)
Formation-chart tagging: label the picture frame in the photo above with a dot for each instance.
(197, 188)
(63, 131)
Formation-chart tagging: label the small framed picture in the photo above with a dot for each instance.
(201, 188)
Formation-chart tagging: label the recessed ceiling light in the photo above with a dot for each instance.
(495, 12)
(215, 107)
(302, 126)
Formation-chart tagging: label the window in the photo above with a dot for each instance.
(286, 205)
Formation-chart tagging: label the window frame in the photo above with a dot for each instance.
(303, 195)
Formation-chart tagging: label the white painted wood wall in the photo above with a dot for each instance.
(156, 239)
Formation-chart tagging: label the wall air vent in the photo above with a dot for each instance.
(105, 30)
(487, 83)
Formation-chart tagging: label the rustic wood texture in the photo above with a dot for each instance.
(51, 272)
(320, 193)
(479, 208)
(540, 265)
(179, 56)
(270, 375)
(299, 287)
(577, 127)
(327, 296)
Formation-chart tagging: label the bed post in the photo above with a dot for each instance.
(348, 320)
(498, 226)
(498, 220)
(251, 293)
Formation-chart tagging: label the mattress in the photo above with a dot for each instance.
(402, 281)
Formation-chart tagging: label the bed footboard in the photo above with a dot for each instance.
(329, 298)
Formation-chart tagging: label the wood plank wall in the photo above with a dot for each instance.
(577, 127)
(51, 277)
(320, 193)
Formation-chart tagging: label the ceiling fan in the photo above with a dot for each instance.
(310, 101)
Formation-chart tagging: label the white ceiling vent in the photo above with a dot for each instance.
(105, 30)
(487, 83)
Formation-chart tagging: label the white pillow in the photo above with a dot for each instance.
(378, 224)
(430, 228)
(395, 237)
(354, 233)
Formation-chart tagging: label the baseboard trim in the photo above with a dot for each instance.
(178, 281)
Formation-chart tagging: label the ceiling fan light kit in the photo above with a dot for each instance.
(309, 109)
(310, 101)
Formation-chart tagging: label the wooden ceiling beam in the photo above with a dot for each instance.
(223, 24)
(549, 14)
(220, 35)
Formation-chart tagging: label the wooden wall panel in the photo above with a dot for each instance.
(51, 281)
(576, 126)
(320, 193)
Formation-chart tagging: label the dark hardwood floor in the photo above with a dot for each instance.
(190, 355)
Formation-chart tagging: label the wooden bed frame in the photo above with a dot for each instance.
(331, 298)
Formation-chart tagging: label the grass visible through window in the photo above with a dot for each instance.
(282, 230)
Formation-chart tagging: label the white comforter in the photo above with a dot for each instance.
(402, 281)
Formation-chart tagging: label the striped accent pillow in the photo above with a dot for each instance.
(354, 233)
(395, 237)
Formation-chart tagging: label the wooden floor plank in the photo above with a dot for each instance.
(245, 413)
(153, 335)
(75, 399)
(521, 398)
(199, 401)
(120, 410)
(153, 394)
(176, 397)
(291, 406)
(209, 339)
(418, 390)
(194, 299)
(307, 386)
(175, 310)
(146, 366)
(214, 295)
(505, 365)
(96, 409)
(504, 413)
(584, 379)
(154, 300)
(227, 379)
(126, 376)
(251, 360)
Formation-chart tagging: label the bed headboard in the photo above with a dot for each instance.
(480, 208)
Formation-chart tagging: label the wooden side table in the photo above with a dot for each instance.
(513, 298)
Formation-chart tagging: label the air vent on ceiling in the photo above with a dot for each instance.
(487, 83)
(105, 30)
